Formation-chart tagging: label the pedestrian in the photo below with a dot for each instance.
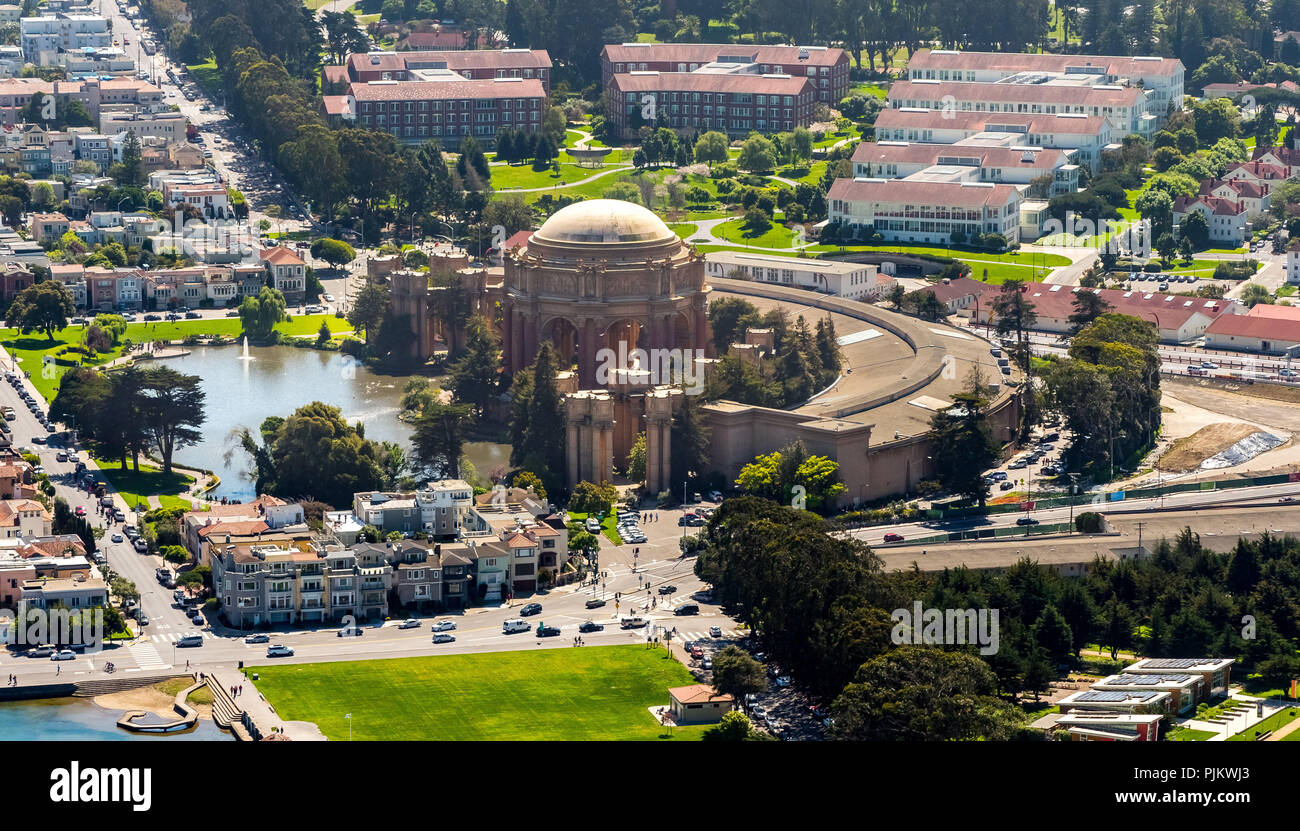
(187, 666)
(58, 670)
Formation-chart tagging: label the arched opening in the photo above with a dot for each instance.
(563, 337)
(682, 337)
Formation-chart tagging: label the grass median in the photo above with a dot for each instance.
(596, 693)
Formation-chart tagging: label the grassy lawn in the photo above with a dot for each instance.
(608, 525)
(1273, 722)
(505, 177)
(136, 488)
(807, 175)
(868, 88)
(970, 255)
(30, 349)
(206, 75)
(778, 236)
(593, 694)
(1189, 735)
(683, 229)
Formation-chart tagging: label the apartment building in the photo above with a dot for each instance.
(165, 125)
(440, 509)
(24, 518)
(1160, 78)
(733, 104)
(825, 68)
(47, 227)
(1125, 108)
(1003, 165)
(1216, 673)
(281, 581)
(43, 38)
(92, 93)
(468, 65)
(909, 210)
(1086, 135)
(448, 110)
(855, 281)
(67, 592)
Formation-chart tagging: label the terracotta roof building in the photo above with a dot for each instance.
(735, 104)
(906, 210)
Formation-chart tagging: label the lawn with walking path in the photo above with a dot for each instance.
(137, 486)
(595, 693)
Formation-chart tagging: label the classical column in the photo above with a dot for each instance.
(587, 355)
(530, 338)
(571, 447)
(606, 453)
(701, 328)
(508, 339)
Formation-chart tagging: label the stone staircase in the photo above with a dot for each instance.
(104, 686)
(225, 712)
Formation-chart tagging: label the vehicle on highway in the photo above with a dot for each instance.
(595, 603)
(530, 610)
(893, 537)
(64, 655)
(509, 627)
(257, 639)
(591, 626)
(443, 637)
(1026, 520)
(1209, 365)
(1287, 499)
(688, 609)
(1286, 373)
(715, 631)
(410, 623)
(279, 650)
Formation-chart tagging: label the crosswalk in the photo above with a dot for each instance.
(727, 635)
(147, 657)
(173, 637)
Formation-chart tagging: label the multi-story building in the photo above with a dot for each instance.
(1227, 218)
(440, 509)
(44, 37)
(447, 110)
(1092, 726)
(1002, 165)
(48, 226)
(826, 69)
(288, 271)
(92, 93)
(469, 65)
(856, 281)
(733, 104)
(24, 518)
(907, 210)
(282, 581)
(1124, 107)
(1161, 79)
(94, 147)
(1086, 135)
(166, 125)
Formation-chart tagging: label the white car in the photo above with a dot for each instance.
(279, 651)
(117, 537)
(444, 626)
(410, 623)
(64, 655)
(257, 639)
(442, 637)
(328, 298)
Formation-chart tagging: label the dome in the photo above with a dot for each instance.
(604, 220)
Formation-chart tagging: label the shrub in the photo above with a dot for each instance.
(1088, 522)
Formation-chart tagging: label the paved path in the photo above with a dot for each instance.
(563, 185)
(265, 719)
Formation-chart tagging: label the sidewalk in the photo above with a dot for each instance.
(265, 720)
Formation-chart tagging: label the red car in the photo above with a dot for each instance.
(892, 537)
(80, 511)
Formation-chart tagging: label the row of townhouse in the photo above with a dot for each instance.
(95, 94)
(825, 69)
(1085, 135)
(270, 579)
(735, 104)
(924, 210)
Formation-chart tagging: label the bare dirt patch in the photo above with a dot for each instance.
(1188, 453)
(157, 699)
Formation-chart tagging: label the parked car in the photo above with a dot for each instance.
(530, 609)
(443, 637)
(353, 631)
(1006, 486)
(410, 623)
(687, 609)
(140, 545)
(45, 650)
(196, 619)
(257, 639)
(893, 537)
(279, 651)
(667, 589)
(591, 626)
(443, 626)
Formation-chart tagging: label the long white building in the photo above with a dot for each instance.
(44, 37)
(984, 163)
(1086, 135)
(855, 281)
(910, 210)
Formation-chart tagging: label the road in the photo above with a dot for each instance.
(1185, 500)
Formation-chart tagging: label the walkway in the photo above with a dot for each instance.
(262, 720)
(562, 185)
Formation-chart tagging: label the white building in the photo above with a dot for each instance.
(908, 210)
(1087, 135)
(44, 37)
(986, 163)
(167, 125)
(1226, 218)
(855, 281)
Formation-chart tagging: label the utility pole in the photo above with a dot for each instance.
(1139, 552)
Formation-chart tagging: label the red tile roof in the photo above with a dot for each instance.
(920, 118)
(455, 59)
(281, 255)
(909, 153)
(1016, 93)
(920, 193)
(1168, 311)
(700, 53)
(1251, 326)
(442, 90)
(708, 82)
(1012, 62)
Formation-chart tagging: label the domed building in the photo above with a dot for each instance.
(598, 274)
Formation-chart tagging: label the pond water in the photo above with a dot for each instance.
(81, 719)
(275, 381)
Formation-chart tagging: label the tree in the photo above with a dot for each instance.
(369, 308)
(1088, 306)
(439, 438)
(636, 459)
(1157, 207)
(733, 727)
(711, 147)
(333, 251)
(260, 314)
(473, 377)
(801, 144)
(1252, 294)
(689, 442)
(757, 154)
(962, 446)
(1195, 229)
(528, 480)
(1015, 313)
(43, 307)
(538, 421)
(737, 674)
(589, 498)
(132, 170)
(171, 408)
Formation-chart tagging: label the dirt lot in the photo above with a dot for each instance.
(1188, 453)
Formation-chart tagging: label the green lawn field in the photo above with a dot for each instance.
(30, 349)
(586, 694)
(136, 488)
